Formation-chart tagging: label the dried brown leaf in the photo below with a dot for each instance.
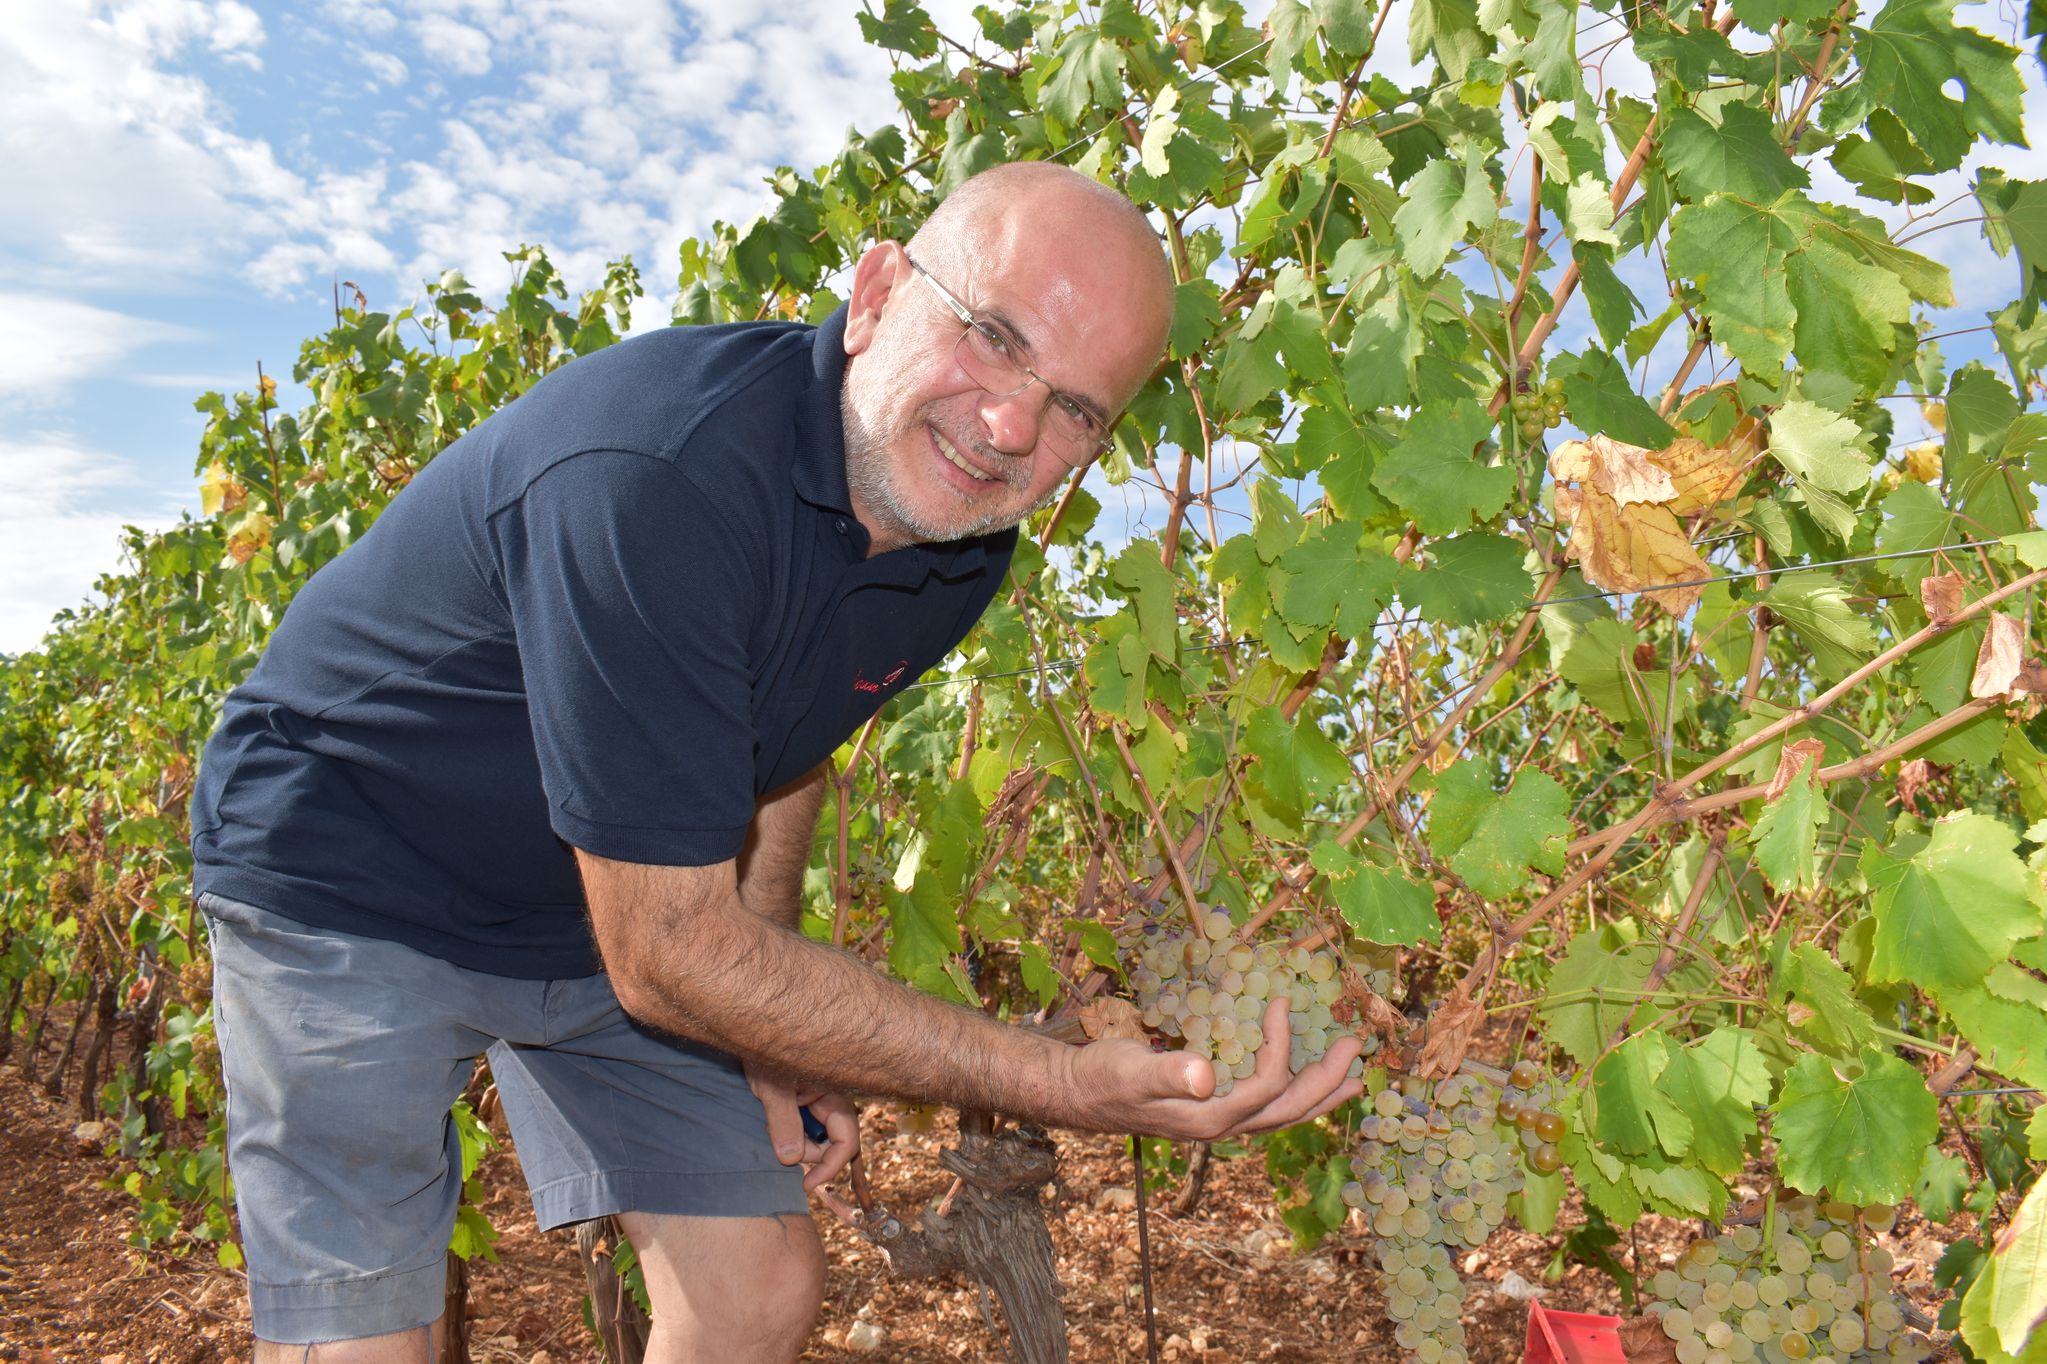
(1106, 1018)
(1913, 777)
(1631, 547)
(1707, 475)
(1999, 660)
(1013, 791)
(1369, 1011)
(1449, 1035)
(1626, 472)
(1791, 762)
(1941, 596)
(1634, 549)
(1644, 1342)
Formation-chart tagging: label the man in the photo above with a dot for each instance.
(580, 682)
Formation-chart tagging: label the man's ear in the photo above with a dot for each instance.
(882, 267)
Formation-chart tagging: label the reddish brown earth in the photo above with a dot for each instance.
(1227, 1284)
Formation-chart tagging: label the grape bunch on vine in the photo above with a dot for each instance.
(1576, 564)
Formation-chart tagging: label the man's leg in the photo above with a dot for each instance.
(611, 1118)
(739, 1289)
(341, 1056)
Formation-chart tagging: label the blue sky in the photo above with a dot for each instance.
(186, 179)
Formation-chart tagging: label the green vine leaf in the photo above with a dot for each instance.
(1717, 1082)
(1636, 1117)
(1334, 580)
(1432, 474)
(1859, 1138)
(1954, 909)
(1492, 841)
(1298, 765)
(1469, 580)
(1743, 155)
(1378, 903)
(1445, 201)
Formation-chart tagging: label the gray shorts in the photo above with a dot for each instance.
(342, 1055)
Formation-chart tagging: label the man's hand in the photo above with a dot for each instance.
(1170, 1094)
(793, 1146)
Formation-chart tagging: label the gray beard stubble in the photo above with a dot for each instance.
(871, 481)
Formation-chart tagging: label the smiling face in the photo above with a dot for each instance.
(1075, 278)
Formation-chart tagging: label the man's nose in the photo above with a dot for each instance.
(1012, 419)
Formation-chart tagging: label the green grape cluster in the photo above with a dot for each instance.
(1209, 992)
(1435, 1167)
(1536, 410)
(1816, 1291)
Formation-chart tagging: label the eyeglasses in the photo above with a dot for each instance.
(995, 361)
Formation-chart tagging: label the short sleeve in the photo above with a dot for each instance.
(629, 595)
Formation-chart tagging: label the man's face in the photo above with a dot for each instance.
(930, 455)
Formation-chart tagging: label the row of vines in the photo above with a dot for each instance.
(1574, 578)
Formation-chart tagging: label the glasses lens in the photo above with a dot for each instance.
(990, 360)
(1073, 435)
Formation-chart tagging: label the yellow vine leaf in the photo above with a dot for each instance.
(1624, 505)
(250, 535)
(1923, 461)
(213, 488)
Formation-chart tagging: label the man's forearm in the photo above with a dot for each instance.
(742, 982)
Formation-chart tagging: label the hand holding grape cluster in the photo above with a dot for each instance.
(1210, 992)
(1437, 1160)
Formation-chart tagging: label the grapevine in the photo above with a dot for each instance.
(1577, 602)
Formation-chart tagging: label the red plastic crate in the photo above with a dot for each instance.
(1572, 1337)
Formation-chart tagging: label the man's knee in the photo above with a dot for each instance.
(741, 1272)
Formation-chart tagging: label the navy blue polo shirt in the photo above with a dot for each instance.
(608, 618)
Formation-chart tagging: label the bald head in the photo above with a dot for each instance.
(1064, 213)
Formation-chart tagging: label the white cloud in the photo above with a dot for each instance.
(62, 509)
(453, 44)
(228, 27)
(386, 68)
(49, 342)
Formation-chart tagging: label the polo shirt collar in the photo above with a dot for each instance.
(818, 470)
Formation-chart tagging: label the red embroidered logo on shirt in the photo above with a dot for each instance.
(860, 682)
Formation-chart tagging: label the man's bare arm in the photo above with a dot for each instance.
(686, 953)
(777, 851)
